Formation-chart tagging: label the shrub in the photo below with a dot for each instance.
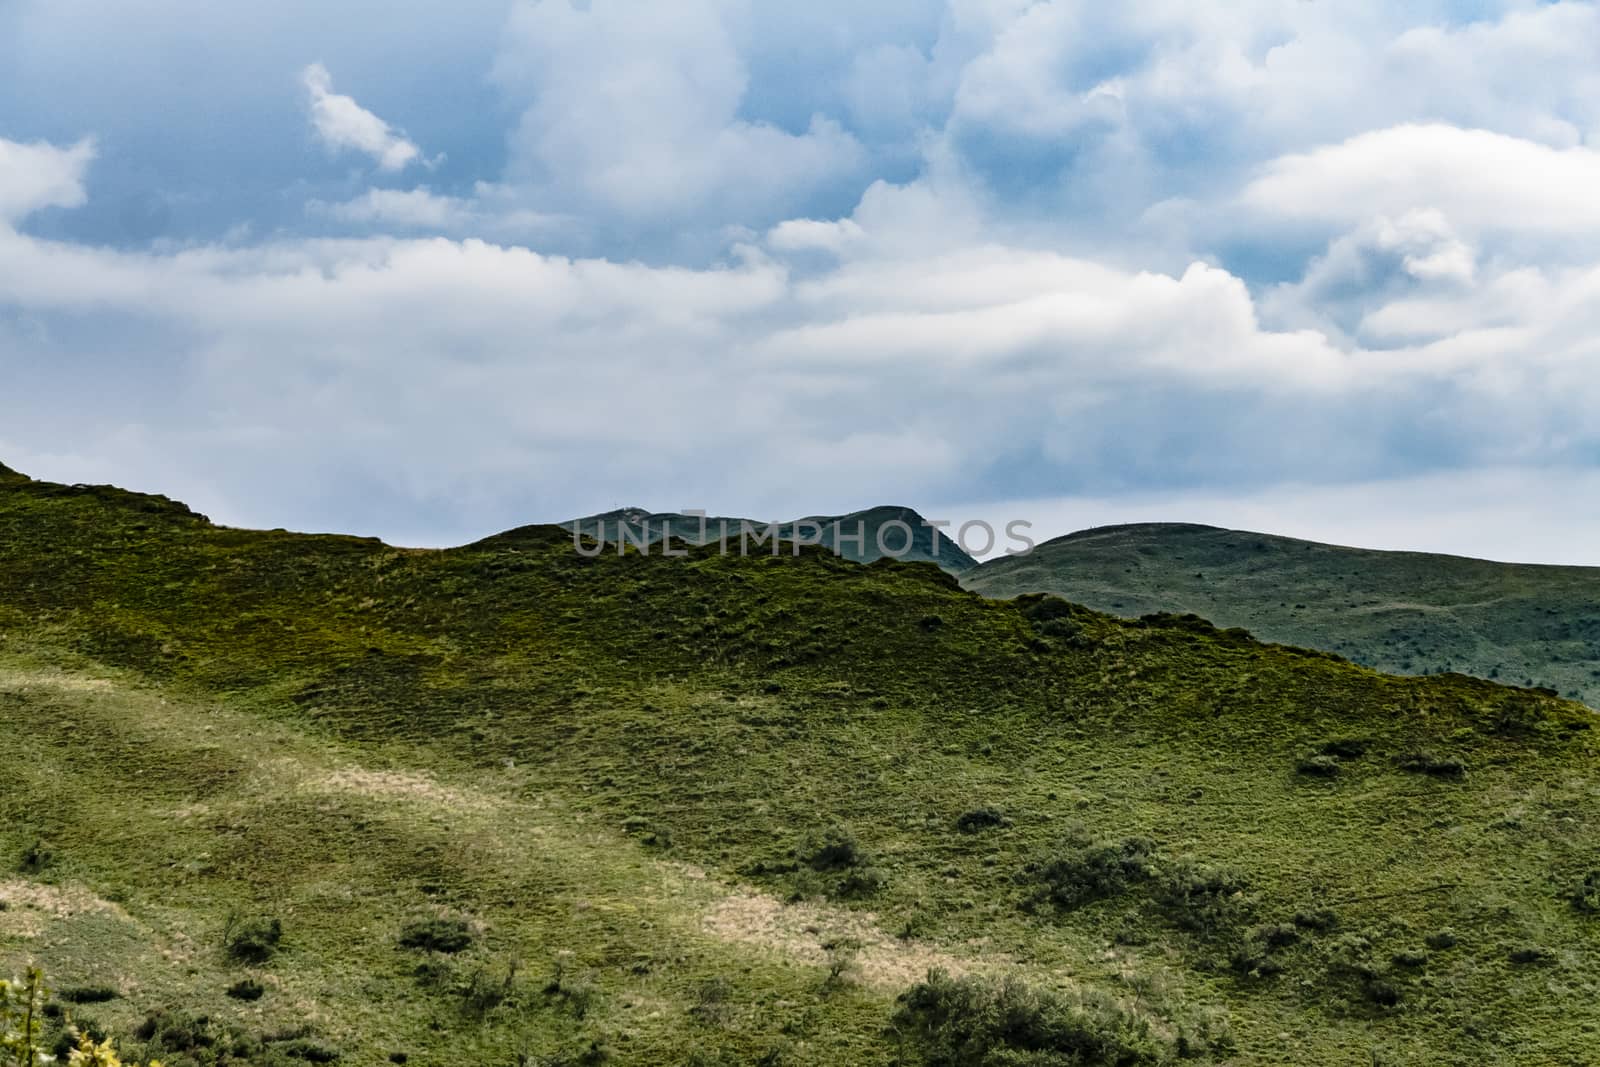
(21, 1011)
(95, 994)
(1430, 763)
(1586, 897)
(310, 1051)
(1440, 940)
(252, 941)
(1200, 898)
(437, 935)
(711, 1003)
(836, 849)
(1320, 920)
(1088, 873)
(248, 989)
(979, 1022)
(860, 882)
(1318, 766)
(1343, 748)
(484, 992)
(1278, 935)
(1409, 958)
(977, 819)
(35, 859)
(842, 961)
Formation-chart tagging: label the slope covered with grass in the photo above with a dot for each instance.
(1407, 612)
(505, 803)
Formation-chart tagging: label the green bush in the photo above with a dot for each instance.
(35, 859)
(1318, 920)
(1201, 898)
(977, 819)
(1433, 764)
(437, 935)
(95, 994)
(1318, 766)
(1086, 873)
(1586, 897)
(834, 850)
(981, 1022)
(860, 882)
(253, 940)
(248, 990)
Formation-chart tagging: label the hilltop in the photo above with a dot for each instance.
(1405, 612)
(860, 536)
(280, 798)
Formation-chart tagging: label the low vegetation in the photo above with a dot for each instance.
(302, 799)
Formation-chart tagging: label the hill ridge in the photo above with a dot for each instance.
(1405, 612)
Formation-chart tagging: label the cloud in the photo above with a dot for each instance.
(442, 387)
(633, 114)
(1477, 178)
(767, 258)
(491, 210)
(35, 176)
(341, 123)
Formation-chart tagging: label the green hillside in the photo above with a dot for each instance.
(862, 536)
(1405, 612)
(274, 798)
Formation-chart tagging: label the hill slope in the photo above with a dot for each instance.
(1407, 612)
(509, 804)
(862, 536)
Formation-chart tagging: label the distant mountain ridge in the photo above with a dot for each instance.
(862, 536)
(1402, 612)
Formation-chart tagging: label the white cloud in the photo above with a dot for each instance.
(491, 211)
(341, 123)
(1476, 178)
(35, 176)
(1035, 245)
(472, 372)
(632, 113)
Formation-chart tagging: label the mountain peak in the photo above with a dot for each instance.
(863, 536)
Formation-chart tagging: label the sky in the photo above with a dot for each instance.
(428, 271)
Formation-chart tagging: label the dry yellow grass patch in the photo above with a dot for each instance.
(801, 932)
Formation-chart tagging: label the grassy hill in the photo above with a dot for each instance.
(274, 798)
(861, 536)
(1406, 612)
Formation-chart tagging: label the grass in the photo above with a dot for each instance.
(649, 790)
(1405, 612)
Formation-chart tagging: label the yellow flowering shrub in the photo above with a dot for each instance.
(21, 1024)
(21, 1013)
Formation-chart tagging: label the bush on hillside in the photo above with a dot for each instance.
(247, 989)
(981, 1022)
(253, 940)
(94, 994)
(1343, 748)
(437, 935)
(1318, 766)
(1083, 874)
(1430, 763)
(835, 849)
(1586, 897)
(981, 819)
(1201, 898)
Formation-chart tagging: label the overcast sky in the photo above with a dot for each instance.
(429, 271)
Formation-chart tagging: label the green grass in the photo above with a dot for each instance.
(723, 807)
(1405, 612)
